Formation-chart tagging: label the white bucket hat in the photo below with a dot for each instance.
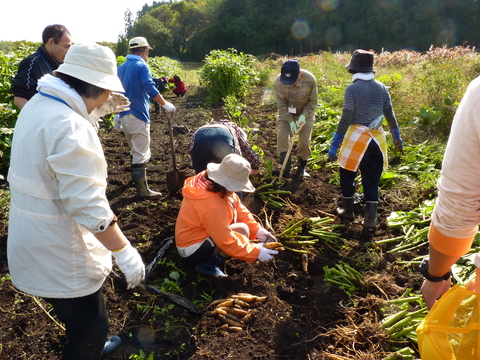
(139, 41)
(232, 173)
(94, 64)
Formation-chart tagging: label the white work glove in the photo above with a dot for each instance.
(169, 107)
(116, 103)
(293, 127)
(266, 254)
(117, 125)
(130, 263)
(301, 120)
(264, 236)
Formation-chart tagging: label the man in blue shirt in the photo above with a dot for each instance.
(139, 87)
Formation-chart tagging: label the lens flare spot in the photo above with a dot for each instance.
(300, 29)
(328, 5)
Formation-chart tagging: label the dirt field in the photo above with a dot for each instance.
(303, 318)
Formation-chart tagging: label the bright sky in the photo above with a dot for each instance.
(87, 20)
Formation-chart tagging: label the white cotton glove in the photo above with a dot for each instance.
(130, 263)
(169, 107)
(117, 125)
(266, 254)
(116, 103)
(264, 236)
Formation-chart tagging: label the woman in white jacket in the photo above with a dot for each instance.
(62, 232)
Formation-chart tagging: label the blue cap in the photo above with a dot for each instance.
(290, 71)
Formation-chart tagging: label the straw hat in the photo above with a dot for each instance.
(94, 64)
(232, 173)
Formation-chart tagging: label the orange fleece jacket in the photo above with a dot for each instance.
(204, 213)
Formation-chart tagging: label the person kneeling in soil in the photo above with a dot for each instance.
(213, 224)
(180, 89)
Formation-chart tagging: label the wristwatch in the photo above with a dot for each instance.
(424, 271)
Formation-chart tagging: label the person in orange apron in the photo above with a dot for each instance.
(364, 147)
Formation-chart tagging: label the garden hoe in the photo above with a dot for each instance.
(290, 147)
(175, 178)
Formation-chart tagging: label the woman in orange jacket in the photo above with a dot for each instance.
(213, 224)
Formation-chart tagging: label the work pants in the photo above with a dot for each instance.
(86, 323)
(137, 133)
(211, 144)
(371, 167)
(304, 137)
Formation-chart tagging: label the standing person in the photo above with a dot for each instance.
(364, 147)
(180, 89)
(56, 42)
(213, 224)
(456, 214)
(139, 88)
(215, 140)
(296, 95)
(61, 231)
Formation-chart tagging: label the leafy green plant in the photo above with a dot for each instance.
(227, 72)
(8, 113)
(142, 356)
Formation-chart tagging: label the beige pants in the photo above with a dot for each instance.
(137, 133)
(304, 137)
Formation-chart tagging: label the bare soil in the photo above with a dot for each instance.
(303, 317)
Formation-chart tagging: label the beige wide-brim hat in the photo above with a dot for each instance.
(232, 173)
(94, 64)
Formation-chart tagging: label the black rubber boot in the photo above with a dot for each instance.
(111, 345)
(301, 168)
(346, 211)
(139, 176)
(371, 219)
(210, 267)
(288, 166)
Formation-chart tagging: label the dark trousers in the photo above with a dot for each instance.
(371, 168)
(211, 144)
(86, 324)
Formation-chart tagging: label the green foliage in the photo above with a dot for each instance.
(142, 356)
(8, 113)
(164, 66)
(228, 72)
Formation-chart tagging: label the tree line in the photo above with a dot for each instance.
(189, 29)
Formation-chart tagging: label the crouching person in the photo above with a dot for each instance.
(213, 224)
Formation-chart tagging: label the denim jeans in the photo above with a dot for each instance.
(211, 144)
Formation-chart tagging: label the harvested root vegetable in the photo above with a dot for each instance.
(231, 322)
(235, 311)
(234, 328)
(305, 262)
(227, 303)
(249, 298)
(247, 318)
(274, 245)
